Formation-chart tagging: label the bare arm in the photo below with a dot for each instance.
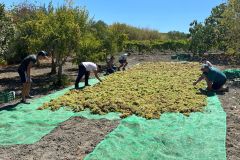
(96, 75)
(199, 79)
(28, 70)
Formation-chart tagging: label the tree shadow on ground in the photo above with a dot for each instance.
(41, 85)
(9, 69)
(72, 69)
(10, 83)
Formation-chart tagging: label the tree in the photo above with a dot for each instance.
(22, 16)
(134, 33)
(7, 31)
(64, 33)
(101, 31)
(176, 35)
(231, 19)
(89, 49)
(210, 34)
(23, 12)
(109, 39)
(217, 30)
(56, 30)
(197, 38)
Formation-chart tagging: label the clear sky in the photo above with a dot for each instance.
(161, 15)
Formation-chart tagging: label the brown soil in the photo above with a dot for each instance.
(72, 140)
(93, 131)
(231, 105)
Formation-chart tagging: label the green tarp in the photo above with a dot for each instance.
(201, 136)
(24, 124)
(232, 73)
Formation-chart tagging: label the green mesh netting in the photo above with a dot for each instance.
(174, 136)
(25, 125)
(232, 73)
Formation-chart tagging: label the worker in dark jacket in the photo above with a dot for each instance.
(24, 71)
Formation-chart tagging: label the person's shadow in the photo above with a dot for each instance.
(209, 93)
(9, 107)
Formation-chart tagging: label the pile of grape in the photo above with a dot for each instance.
(146, 90)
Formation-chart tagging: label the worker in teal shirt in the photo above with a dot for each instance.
(214, 77)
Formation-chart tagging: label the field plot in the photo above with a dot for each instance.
(146, 90)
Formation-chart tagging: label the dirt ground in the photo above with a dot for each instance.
(42, 80)
(9, 81)
(72, 140)
(231, 105)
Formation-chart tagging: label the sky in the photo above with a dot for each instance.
(161, 15)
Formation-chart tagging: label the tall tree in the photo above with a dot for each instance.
(56, 30)
(64, 33)
(210, 34)
(7, 31)
(134, 33)
(232, 21)
(22, 15)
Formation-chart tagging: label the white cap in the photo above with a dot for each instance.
(204, 66)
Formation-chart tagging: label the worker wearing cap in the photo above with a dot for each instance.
(24, 73)
(123, 61)
(84, 69)
(205, 61)
(214, 78)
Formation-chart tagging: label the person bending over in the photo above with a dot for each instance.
(123, 61)
(85, 68)
(214, 78)
(24, 71)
